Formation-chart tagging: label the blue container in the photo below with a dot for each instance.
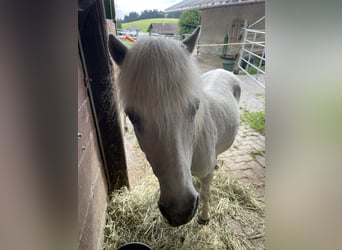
(228, 65)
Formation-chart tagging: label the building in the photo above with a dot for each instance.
(164, 29)
(133, 30)
(221, 18)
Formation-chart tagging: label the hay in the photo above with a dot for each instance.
(237, 219)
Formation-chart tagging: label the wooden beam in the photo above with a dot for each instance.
(102, 93)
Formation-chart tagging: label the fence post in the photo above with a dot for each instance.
(243, 46)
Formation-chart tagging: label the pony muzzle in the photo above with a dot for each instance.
(175, 218)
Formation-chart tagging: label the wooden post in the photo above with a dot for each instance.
(102, 93)
(236, 66)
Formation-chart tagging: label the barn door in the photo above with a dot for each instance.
(236, 30)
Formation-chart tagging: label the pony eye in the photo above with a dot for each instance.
(194, 107)
(197, 103)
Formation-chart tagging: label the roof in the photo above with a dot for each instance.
(206, 4)
(163, 28)
(133, 28)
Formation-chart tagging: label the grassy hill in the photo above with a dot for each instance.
(143, 24)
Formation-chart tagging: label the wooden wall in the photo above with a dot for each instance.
(92, 183)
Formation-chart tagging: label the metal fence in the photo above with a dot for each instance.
(252, 54)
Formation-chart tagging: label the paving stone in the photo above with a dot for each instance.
(243, 152)
(245, 173)
(234, 153)
(227, 163)
(257, 147)
(260, 196)
(247, 142)
(245, 147)
(253, 134)
(242, 158)
(261, 139)
(238, 137)
(240, 174)
(246, 165)
(260, 160)
(241, 166)
(243, 128)
(259, 170)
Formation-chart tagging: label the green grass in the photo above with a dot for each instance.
(255, 120)
(251, 70)
(145, 23)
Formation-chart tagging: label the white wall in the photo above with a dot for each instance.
(216, 22)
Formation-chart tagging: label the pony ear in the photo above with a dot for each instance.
(117, 49)
(191, 40)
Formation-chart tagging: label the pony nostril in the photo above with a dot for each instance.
(163, 210)
(197, 201)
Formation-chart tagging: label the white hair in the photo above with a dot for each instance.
(158, 77)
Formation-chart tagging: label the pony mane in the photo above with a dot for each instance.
(158, 77)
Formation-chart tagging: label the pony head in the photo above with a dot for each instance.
(158, 89)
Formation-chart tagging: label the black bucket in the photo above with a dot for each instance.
(134, 246)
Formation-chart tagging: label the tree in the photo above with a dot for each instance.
(188, 21)
(145, 14)
(174, 14)
(132, 16)
(118, 23)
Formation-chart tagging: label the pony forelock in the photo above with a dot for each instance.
(158, 79)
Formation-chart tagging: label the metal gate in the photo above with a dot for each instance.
(252, 54)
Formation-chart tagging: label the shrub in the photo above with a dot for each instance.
(188, 21)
